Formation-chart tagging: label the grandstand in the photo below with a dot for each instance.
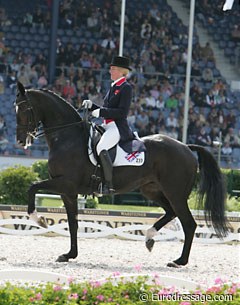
(156, 40)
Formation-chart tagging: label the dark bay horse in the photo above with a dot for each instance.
(167, 175)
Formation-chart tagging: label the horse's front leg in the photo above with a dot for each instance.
(56, 185)
(71, 206)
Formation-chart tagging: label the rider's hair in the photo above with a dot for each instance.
(124, 71)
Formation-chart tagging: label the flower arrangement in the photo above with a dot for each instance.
(140, 290)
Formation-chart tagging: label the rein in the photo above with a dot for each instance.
(49, 130)
(36, 133)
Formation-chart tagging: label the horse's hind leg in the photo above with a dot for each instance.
(158, 225)
(189, 226)
(70, 203)
(150, 192)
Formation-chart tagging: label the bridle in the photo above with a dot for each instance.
(32, 127)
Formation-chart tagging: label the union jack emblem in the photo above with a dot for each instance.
(132, 156)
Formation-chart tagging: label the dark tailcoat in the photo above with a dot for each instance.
(116, 107)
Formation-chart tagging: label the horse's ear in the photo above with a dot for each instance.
(21, 88)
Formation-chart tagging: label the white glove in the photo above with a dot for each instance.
(87, 104)
(96, 113)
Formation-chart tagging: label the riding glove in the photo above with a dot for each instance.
(96, 113)
(87, 104)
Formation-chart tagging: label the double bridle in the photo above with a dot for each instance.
(32, 126)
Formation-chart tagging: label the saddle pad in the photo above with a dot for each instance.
(122, 158)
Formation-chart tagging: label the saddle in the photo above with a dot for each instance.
(129, 153)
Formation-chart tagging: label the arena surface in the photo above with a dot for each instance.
(101, 258)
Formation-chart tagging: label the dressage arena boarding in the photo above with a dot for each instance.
(28, 255)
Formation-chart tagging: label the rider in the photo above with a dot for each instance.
(114, 112)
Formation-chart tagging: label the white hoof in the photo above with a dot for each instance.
(151, 233)
(40, 220)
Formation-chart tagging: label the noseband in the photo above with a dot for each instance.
(32, 125)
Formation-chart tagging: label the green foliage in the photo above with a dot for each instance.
(91, 203)
(41, 168)
(138, 291)
(14, 184)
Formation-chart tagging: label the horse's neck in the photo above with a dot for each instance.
(55, 112)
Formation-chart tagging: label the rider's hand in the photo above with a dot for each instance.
(96, 113)
(87, 104)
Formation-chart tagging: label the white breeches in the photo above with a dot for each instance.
(110, 137)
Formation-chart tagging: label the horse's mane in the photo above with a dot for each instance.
(61, 100)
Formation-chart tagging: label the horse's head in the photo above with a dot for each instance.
(26, 123)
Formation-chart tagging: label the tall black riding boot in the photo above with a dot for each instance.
(106, 163)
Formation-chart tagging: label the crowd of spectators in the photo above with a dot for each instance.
(159, 54)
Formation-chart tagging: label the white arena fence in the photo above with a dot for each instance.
(95, 230)
(24, 276)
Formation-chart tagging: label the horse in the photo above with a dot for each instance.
(167, 176)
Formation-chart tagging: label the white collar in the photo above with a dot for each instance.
(117, 80)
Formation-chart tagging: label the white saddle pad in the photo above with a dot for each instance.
(122, 157)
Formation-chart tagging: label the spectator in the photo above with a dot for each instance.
(69, 90)
(142, 121)
(3, 144)
(3, 127)
(210, 99)
(131, 119)
(207, 75)
(173, 133)
(33, 76)
(3, 48)
(11, 81)
(38, 18)
(203, 138)
(22, 77)
(207, 53)
(232, 138)
(227, 152)
(42, 81)
(236, 33)
(108, 43)
(28, 19)
(172, 102)
(2, 87)
(146, 30)
(93, 22)
(231, 119)
(171, 121)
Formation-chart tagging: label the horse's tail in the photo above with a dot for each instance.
(212, 190)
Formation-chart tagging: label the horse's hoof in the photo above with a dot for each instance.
(150, 244)
(62, 259)
(173, 265)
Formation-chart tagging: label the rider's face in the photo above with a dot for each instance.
(115, 72)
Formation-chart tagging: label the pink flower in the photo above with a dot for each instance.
(218, 281)
(70, 280)
(100, 297)
(38, 296)
(96, 284)
(73, 296)
(85, 291)
(57, 288)
(232, 290)
(185, 303)
(214, 289)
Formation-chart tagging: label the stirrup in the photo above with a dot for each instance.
(103, 189)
